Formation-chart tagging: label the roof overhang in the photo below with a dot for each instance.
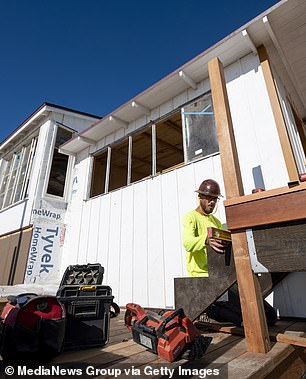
(238, 44)
(35, 118)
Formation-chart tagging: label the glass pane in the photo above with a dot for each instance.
(99, 174)
(5, 176)
(22, 173)
(58, 172)
(62, 136)
(57, 179)
(199, 129)
(5, 181)
(12, 179)
(118, 166)
(169, 143)
(141, 155)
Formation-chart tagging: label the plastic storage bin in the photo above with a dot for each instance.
(87, 308)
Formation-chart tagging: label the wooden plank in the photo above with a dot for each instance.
(267, 210)
(228, 151)
(278, 115)
(221, 277)
(291, 339)
(262, 195)
(255, 366)
(254, 319)
(290, 368)
(281, 248)
(256, 331)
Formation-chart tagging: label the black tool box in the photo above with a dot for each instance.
(83, 274)
(87, 304)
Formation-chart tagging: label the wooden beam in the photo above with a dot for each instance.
(291, 339)
(255, 325)
(267, 210)
(227, 145)
(278, 115)
(254, 318)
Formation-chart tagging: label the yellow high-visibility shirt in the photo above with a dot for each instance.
(194, 236)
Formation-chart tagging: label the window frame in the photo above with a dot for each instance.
(49, 166)
(129, 139)
(23, 195)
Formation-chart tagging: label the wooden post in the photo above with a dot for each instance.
(278, 115)
(254, 319)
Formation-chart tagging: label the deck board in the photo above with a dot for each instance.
(226, 353)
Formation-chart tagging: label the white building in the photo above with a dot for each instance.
(135, 171)
(34, 188)
(137, 168)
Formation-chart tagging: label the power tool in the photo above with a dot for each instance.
(170, 335)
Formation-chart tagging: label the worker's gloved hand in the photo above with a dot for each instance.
(217, 245)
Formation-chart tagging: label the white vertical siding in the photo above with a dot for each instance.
(174, 262)
(127, 247)
(136, 230)
(156, 266)
(135, 233)
(140, 236)
(115, 228)
(254, 127)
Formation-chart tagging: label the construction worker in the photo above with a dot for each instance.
(195, 224)
(195, 240)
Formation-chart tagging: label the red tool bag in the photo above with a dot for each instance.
(170, 335)
(31, 325)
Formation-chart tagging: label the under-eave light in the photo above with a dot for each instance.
(141, 107)
(187, 79)
(118, 121)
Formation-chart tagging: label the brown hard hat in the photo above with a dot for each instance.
(209, 187)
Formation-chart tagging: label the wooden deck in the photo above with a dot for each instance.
(227, 354)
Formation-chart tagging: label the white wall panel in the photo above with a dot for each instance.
(84, 234)
(218, 176)
(174, 260)
(140, 259)
(156, 274)
(115, 226)
(93, 233)
(104, 234)
(15, 217)
(126, 271)
(254, 126)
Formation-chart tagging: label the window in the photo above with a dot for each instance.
(118, 166)
(59, 165)
(16, 175)
(99, 174)
(157, 148)
(141, 155)
(169, 143)
(199, 129)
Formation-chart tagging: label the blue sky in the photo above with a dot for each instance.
(94, 55)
